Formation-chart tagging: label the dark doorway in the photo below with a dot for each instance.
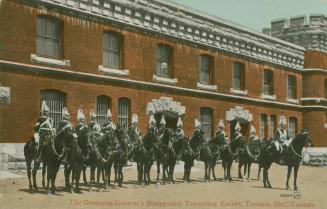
(245, 128)
(171, 119)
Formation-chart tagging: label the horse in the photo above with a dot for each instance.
(80, 152)
(53, 152)
(104, 146)
(215, 146)
(191, 152)
(248, 154)
(207, 157)
(146, 155)
(31, 156)
(121, 157)
(292, 157)
(160, 153)
(229, 152)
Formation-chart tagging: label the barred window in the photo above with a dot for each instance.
(238, 76)
(272, 126)
(206, 66)
(56, 101)
(48, 37)
(123, 112)
(112, 50)
(102, 106)
(292, 127)
(268, 83)
(206, 119)
(263, 126)
(291, 87)
(164, 64)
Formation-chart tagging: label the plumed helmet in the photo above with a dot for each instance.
(179, 123)
(221, 123)
(282, 120)
(92, 115)
(152, 121)
(197, 123)
(44, 107)
(65, 114)
(109, 114)
(80, 115)
(253, 131)
(238, 127)
(163, 121)
(135, 119)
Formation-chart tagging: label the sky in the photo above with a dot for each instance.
(257, 14)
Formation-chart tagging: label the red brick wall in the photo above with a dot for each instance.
(314, 121)
(18, 120)
(315, 59)
(82, 45)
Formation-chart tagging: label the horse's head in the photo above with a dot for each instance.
(303, 139)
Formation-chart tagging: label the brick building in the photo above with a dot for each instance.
(153, 57)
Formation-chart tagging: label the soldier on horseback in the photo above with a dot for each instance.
(108, 126)
(134, 130)
(93, 118)
(221, 138)
(237, 134)
(198, 134)
(43, 123)
(81, 127)
(64, 125)
(179, 133)
(253, 134)
(282, 138)
(162, 129)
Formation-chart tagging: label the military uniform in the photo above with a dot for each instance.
(220, 137)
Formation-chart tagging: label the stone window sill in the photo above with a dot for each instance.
(114, 72)
(239, 92)
(268, 97)
(325, 125)
(49, 61)
(206, 86)
(164, 80)
(293, 101)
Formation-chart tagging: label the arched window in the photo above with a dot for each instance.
(206, 69)
(206, 119)
(48, 39)
(124, 112)
(238, 76)
(56, 101)
(102, 106)
(164, 61)
(268, 82)
(292, 127)
(112, 43)
(272, 126)
(263, 126)
(291, 87)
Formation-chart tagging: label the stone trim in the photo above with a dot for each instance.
(239, 92)
(268, 97)
(314, 70)
(317, 100)
(165, 104)
(167, 18)
(49, 61)
(114, 72)
(206, 86)
(159, 79)
(293, 101)
(239, 113)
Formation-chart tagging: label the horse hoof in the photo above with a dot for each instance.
(269, 186)
(296, 189)
(287, 188)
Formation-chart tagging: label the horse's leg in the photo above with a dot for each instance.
(259, 171)
(249, 169)
(264, 178)
(213, 166)
(99, 168)
(185, 171)
(115, 170)
(44, 170)
(240, 164)
(73, 179)
(158, 171)
(229, 166)
(49, 172)
(34, 172)
(103, 173)
(78, 176)
(84, 175)
(28, 162)
(267, 178)
(289, 171)
(209, 170)
(120, 174)
(296, 169)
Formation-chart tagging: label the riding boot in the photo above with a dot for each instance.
(39, 154)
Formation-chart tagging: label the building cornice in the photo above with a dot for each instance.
(170, 19)
(142, 85)
(315, 70)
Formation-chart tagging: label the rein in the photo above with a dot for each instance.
(295, 152)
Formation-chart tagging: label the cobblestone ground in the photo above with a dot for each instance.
(14, 192)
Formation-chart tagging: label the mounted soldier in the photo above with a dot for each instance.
(282, 138)
(64, 125)
(198, 137)
(220, 137)
(93, 119)
(134, 130)
(108, 126)
(179, 133)
(162, 129)
(81, 127)
(253, 135)
(43, 129)
(237, 134)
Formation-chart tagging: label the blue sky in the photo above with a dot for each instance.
(257, 14)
